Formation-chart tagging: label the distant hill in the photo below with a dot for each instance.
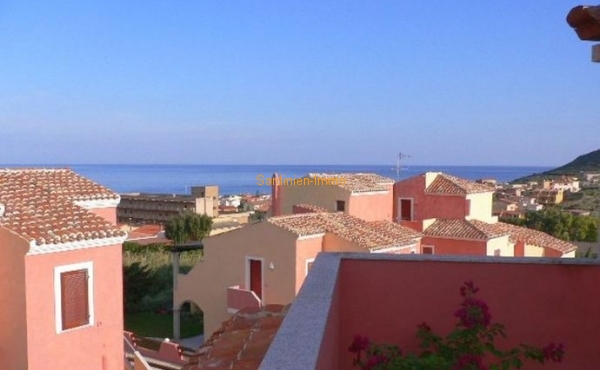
(589, 162)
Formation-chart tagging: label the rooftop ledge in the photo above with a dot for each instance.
(303, 338)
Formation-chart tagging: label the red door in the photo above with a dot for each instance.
(256, 277)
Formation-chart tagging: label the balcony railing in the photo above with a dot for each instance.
(158, 354)
(239, 298)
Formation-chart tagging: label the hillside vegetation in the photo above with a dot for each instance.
(589, 162)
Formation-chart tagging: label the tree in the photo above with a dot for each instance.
(560, 224)
(188, 227)
(197, 226)
(137, 279)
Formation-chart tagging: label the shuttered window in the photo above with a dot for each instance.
(74, 299)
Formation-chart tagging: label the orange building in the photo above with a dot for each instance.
(267, 262)
(61, 276)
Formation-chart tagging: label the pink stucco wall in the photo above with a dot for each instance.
(306, 249)
(556, 306)
(95, 347)
(238, 299)
(372, 207)
(427, 206)
(454, 246)
(334, 243)
(109, 213)
(13, 322)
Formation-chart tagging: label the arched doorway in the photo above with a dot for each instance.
(188, 325)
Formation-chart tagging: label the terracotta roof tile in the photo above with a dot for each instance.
(41, 206)
(479, 230)
(358, 182)
(535, 237)
(369, 235)
(452, 185)
(241, 342)
(463, 229)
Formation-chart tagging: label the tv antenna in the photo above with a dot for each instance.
(399, 168)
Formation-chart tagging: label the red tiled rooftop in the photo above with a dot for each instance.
(479, 230)
(452, 185)
(535, 237)
(369, 235)
(357, 182)
(241, 342)
(149, 229)
(41, 206)
(463, 229)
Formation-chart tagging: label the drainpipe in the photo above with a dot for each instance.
(176, 311)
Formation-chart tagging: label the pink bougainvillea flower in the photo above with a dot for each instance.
(554, 352)
(359, 344)
(473, 312)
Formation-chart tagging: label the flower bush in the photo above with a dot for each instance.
(470, 345)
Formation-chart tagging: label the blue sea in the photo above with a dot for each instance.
(237, 179)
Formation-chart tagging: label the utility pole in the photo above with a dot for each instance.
(399, 168)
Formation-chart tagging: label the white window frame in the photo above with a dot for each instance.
(423, 246)
(412, 208)
(309, 260)
(262, 275)
(58, 270)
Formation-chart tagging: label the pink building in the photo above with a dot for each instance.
(438, 195)
(267, 262)
(455, 217)
(384, 297)
(363, 195)
(60, 272)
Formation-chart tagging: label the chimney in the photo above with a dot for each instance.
(276, 194)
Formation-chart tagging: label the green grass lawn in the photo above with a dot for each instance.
(148, 324)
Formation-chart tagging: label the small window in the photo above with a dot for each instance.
(427, 249)
(340, 205)
(468, 207)
(406, 209)
(73, 296)
(497, 252)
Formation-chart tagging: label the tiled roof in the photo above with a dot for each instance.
(479, 230)
(452, 185)
(369, 235)
(40, 206)
(463, 229)
(242, 342)
(535, 237)
(357, 182)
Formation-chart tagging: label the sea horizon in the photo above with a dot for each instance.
(243, 179)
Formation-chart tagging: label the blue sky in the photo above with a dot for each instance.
(295, 82)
